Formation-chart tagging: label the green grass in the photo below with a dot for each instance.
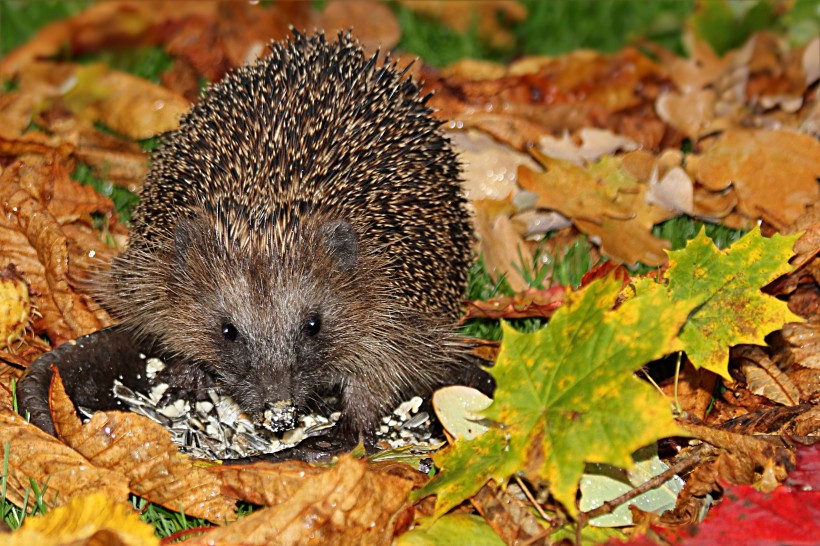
(553, 28)
(21, 19)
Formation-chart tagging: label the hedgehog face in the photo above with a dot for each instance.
(267, 326)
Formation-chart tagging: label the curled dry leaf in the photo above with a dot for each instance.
(35, 455)
(746, 459)
(764, 378)
(142, 452)
(91, 520)
(500, 244)
(529, 303)
(347, 504)
(510, 517)
(33, 239)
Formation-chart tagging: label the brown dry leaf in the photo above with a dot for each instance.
(774, 173)
(34, 241)
(87, 520)
(803, 339)
(764, 378)
(543, 96)
(347, 504)
(572, 190)
(746, 459)
(142, 451)
(500, 243)
(530, 303)
(693, 390)
(126, 22)
(605, 202)
(48, 179)
(33, 454)
(373, 23)
(119, 161)
(127, 104)
(265, 484)
(511, 518)
(460, 14)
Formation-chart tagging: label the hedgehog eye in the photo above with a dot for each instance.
(229, 331)
(312, 325)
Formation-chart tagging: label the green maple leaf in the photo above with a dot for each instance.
(566, 395)
(734, 310)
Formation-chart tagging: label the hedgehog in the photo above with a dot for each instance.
(303, 232)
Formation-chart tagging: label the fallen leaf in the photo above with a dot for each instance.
(500, 244)
(764, 378)
(41, 458)
(728, 282)
(774, 173)
(34, 241)
(141, 450)
(553, 401)
(127, 104)
(15, 306)
(595, 143)
(88, 519)
(529, 303)
(454, 528)
(347, 504)
(490, 168)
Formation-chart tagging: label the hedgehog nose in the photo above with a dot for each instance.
(279, 416)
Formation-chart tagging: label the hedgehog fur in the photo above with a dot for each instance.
(303, 231)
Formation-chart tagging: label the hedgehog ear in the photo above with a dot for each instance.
(183, 238)
(342, 242)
